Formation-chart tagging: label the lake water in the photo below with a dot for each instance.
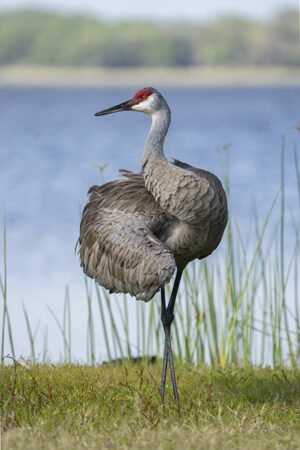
(50, 140)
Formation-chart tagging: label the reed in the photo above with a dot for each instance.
(5, 313)
(64, 328)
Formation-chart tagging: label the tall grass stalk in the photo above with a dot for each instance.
(282, 254)
(126, 326)
(4, 292)
(297, 258)
(45, 345)
(31, 335)
(91, 356)
(103, 323)
(64, 327)
(3, 287)
(116, 338)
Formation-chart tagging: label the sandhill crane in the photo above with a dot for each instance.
(138, 230)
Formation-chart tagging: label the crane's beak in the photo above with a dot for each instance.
(125, 106)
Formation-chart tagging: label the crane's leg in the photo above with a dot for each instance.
(166, 349)
(167, 316)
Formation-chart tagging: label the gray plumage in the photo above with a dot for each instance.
(137, 229)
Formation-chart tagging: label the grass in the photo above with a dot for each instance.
(119, 406)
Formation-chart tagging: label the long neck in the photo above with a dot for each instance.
(154, 145)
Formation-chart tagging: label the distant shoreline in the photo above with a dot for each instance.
(140, 76)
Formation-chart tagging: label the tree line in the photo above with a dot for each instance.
(33, 37)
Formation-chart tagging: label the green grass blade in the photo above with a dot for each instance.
(101, 311)
(4, 290)
(62, 331)
(90, 328)
(138, 330)
(45, 345)
(211, 316)
(113, 324)
(10, 335)
(67, 325)
(126, 326)
(282, 254)
(297, 169)
(30, 335)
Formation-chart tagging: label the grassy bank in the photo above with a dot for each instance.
(26, 75)
(119, 406)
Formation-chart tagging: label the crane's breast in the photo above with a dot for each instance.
(196, 205)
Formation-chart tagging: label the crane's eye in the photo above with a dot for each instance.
(143, 97)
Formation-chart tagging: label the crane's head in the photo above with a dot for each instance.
(147, 100)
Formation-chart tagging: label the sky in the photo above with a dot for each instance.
(158, 9)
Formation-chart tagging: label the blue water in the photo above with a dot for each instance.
(50, 140)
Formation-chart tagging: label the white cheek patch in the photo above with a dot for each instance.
(145, 106)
